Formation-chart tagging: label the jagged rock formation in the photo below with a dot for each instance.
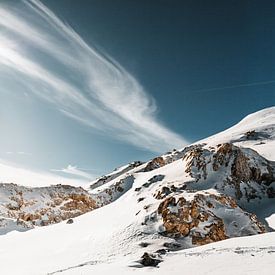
(238, 172)
(149, 260)
(154, 164)
(213, 190)
(195, 195)
(114, 190)
(206, 218)
(29, 207)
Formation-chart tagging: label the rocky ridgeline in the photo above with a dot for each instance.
(115, 174)
(238, 172)
(185, 210)
(24, 208)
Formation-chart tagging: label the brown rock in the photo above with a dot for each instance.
(183, 218)
(154, 164)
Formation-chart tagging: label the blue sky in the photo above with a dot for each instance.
(97, 84)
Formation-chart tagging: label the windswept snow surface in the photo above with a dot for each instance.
(262, 122)
(240, 256)
(111, 239)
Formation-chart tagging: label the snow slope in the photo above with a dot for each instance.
(246, 255)
(262, 122)
(166, 207)
(100, 239)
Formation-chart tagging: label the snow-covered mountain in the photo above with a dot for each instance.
(157, 213)
(23, 208)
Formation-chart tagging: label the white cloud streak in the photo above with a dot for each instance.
(11, 173)
(83, 83)
(74, 170)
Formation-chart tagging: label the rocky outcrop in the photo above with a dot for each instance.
(43, 206)
(8, 224)
(196, 161)
(115, 174)
(114, 190)
(165, 190)
(206, 218)
(149, 260)
(241, 172)
(154, 164)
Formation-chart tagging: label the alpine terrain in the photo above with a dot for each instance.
(208, 208)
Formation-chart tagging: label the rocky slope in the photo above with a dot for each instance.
(213, 190)
(238, 172)
(23, 208)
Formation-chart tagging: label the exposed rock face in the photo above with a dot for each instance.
(251, 134)
(115, 190)
(166, 190)
(247, 165)
(222, 156)
(45, 205)
(181, 207)
(202, 218)
(195, 216)
(256, 135)
(196, 162)
(23, 208)
(240, 172)
(7, 225)
(154, 179)
(149, 260)
(154, 164)
(115, 174)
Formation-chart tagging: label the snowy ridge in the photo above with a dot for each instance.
(255, 131)
(114, 175)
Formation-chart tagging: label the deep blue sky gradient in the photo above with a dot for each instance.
(177, 48)
(179, 51)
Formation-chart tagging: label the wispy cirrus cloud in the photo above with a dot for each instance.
(75, 171)
(85, 84)
(10, 172)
